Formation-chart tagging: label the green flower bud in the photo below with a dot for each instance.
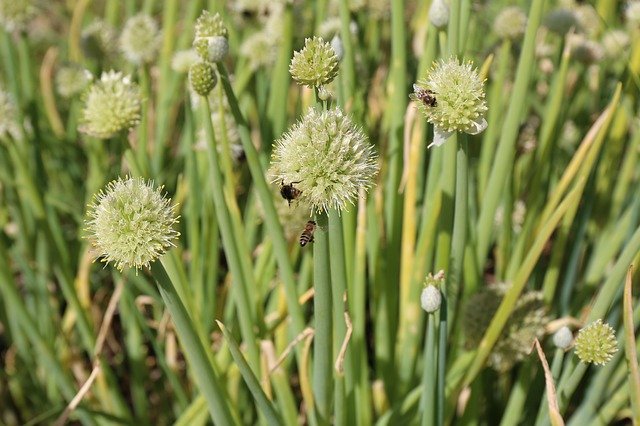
(202, 78)
(131, 224)
(328, 157)
(315, 65)
(452, 99)
(596, 343)
(111, 105)
(71, 80)
(15, 14)
(140, 39)
(208, 25)
(510, 23)
(525, 324)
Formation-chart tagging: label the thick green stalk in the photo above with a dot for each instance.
(323, 343)
(429, 375)
(503, 163)
(397, 98)
(240, 270)
(272, 221)
(280, 78)
(205, 376)
(263, 403)
(338, 292)
(496, 100)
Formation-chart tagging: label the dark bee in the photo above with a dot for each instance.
(307, 234)
(428, 97)
(289, 192)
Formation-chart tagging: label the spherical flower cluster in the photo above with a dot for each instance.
(211, 37)
(510, 23)
(452, 99)
(260, 49)
(202, 78)
(439, 14)
(182, 60)
(140, 39)
(73, 79)
(563, 338)
(315, 65)
(431, 298)
(99, 39)
(616, 43)
(561, 20)
(596, 343)
(632, 14)
(328, 157)
(8, 116)
(525, 324)
(130, 223)
(111, 105)
(15, 14)
(588, 19)
(585, 50)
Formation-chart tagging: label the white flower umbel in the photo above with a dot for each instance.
(140, 39)
(328, 157)
(452, 99)
(111, 105)
(131, 223)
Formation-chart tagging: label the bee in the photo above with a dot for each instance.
(428, 97)
(289, 192)
(307, 235)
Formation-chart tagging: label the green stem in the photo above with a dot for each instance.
(196, 354)
(272, 221)
(338, 292)
(323, 344)
(429, 375)
(240, 270)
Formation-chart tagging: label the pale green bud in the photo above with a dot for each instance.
(202, 78)
(315, 65)
(510, 23)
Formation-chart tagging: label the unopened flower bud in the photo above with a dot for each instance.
(315, 65)
(140, 39)
(202, 78)
(563, 338)
(439, 14)
(111, 105)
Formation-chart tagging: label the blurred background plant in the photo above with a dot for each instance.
(534, 221)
